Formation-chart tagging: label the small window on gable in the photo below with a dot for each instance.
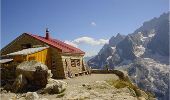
(25, 46)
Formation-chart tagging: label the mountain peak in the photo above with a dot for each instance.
(118, 35)
(116, 39)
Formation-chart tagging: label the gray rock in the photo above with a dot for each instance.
(49, 74)
(126, 48)
(54, 86)
(113, 41)
(160, 43)
(35, 72)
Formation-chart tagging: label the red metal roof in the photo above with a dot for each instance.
(65, 48)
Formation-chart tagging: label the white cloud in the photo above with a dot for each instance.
(91, 53)
(71, 43)
(91, 41)
(88, 42)
(93, 24)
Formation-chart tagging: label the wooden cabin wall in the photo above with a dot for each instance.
(19, 58)
(41, 56)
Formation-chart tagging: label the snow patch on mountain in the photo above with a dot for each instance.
(113, 48)
(139, 50)
(151, 35)
(143, 38)
(149, 75)
(109, 57)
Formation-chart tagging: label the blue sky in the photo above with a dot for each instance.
(86, 23)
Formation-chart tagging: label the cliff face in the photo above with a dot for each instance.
(149, 75)
(107, 54)
(160, 42)
(150, 41)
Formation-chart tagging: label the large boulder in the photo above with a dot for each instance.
(35, 72)
(54, 86)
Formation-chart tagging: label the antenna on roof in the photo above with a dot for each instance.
(47, 34)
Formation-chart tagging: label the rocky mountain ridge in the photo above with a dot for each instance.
(152, 37)
(150, 44)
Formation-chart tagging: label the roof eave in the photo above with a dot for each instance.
(68, 53)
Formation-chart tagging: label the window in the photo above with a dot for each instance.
(25, 46)
(75, 62)
(78, 62)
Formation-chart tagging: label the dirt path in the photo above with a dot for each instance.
(78, 81)
(90, 78)
(75, 83)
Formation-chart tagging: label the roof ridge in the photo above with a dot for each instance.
(65, 44)
(58, 44)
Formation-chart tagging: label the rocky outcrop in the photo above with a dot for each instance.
(54, 87)
(33, 76)
(160, 43)
(113, 41)
(150, 76)
(104, 56)
(35, 72)
(126, 48)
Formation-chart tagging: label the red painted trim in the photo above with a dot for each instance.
(66, 48)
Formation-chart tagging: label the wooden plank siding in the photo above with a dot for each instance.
(41, 56)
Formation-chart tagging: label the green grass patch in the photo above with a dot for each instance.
(122, 83)
(60, 95)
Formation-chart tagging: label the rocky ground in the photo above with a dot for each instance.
(88, 87)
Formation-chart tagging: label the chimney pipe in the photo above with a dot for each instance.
(47, 34)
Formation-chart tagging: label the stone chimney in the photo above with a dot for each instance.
(47, 36)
